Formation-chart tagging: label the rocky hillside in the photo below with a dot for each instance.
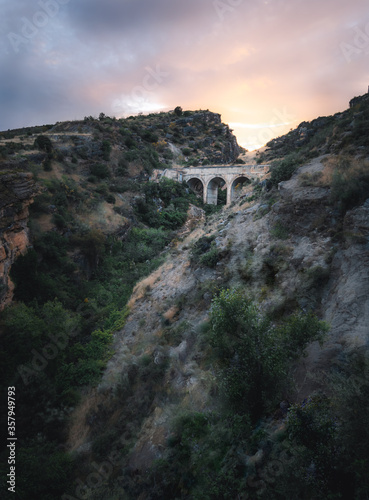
(200, 354)
(17, 189)
(290, 251)
(91, 171)
(342, 133)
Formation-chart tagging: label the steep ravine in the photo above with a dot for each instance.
(290, 252)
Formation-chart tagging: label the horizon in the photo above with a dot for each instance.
(265, 66)
(258, 126)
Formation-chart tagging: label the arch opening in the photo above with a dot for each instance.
(238, 185)
(196, 185)
(216, 191)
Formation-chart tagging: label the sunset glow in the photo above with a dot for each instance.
(265, 66)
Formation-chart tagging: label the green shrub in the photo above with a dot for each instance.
(110, 199)
(47, 165)
(123, 165)
(178, 111)
(100, 170)
(202, 245)
(41, 204)
(106, 149)
(44, 143)
(350, 183)
(253, 354)
(164, 204)
(280, 231)
(211, 258)
(282, 170)
(132, 155)
(205, 251)
(150, 136)
(130, 142)
(44, 471)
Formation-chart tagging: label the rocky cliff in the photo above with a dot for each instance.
(16, 191)
(291, 251)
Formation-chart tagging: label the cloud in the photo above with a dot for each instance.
(241, 58)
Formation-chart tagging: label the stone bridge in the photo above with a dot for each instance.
(208, 179)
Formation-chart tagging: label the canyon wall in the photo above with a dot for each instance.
(16, 191)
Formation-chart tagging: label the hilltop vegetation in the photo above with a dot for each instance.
(193, 138)
(345, 134)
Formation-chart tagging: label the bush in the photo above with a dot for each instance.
(282, 170)
(47, 164)
(178, 111)
(106, 149)
(350, 183)
(150, 136)
(44, 471)
(122, 169)
(110, 199)
(211, 258)
(279, 231)
(253, 354)
(202, 246)
(44, 143)
(132, 155)
(130, 143)
(164, 204)
(100, 170)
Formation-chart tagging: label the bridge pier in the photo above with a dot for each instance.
(211, 190)
(229, 193)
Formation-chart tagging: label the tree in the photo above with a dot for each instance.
(254, 354)
(178, 111)
(106, 149)
(42, 142)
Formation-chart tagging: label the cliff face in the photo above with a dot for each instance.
(16, 191)
(212, 137)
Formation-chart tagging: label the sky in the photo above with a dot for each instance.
(264, 65)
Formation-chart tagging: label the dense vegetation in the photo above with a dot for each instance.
(244, 447)
(71, 292)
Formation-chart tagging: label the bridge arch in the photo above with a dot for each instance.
(236, 185)
(211, 189)
(197, 185)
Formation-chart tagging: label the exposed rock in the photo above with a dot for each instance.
(16, 191)
(195, 215)
(358, 100)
